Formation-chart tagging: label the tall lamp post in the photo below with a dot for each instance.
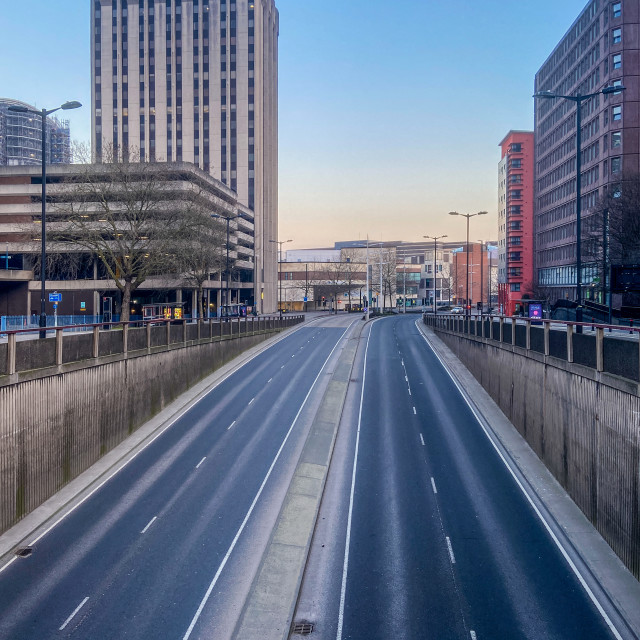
(579, 99)
(43, 254)
(280, 243)
(468, 216)
(228, 291)
(435, 246)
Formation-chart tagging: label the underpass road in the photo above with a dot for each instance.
(423, 532)
(168, 547)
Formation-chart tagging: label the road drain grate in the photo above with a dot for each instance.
(302, 628)
(24, 552)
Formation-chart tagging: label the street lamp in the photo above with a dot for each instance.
(280, 243)
(468, 216)
(579, 99)
(43, 256)
(228, 220)
(435, 241)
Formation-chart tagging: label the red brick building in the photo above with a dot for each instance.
(516, 181)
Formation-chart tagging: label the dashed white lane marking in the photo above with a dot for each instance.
(269, 380)
(231, 425)
(294, 355)
(422, 440)
(70, 618)
(250, 401)
(409, 390)
(453, 558)
(433, 484)
(473, 635)
(201, 461)
(282, 367)
(406, 379)
(415, 413)
(150, 523)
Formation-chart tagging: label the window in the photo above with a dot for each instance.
(617, 83)
(617, 61)
(616, 139)
(616, 36)
(616, 9)
(515, 286)
(516, 147)
(616, 164)
(616, 113)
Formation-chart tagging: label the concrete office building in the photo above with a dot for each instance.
(600, 49)
(515, 220)
(195, 81)
(21, 137)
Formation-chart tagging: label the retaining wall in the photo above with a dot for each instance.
(583, 424)
(54, 426)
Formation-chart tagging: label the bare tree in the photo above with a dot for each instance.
(128, 215)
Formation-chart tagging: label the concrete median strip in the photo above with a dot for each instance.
(269, 609)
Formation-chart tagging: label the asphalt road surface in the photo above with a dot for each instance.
(423, 532)
(169, 546)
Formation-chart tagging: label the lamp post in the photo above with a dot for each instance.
(579, 99)
(435, 246)
(227, 289)
(280, 243)
(43, 249)
(468, 216)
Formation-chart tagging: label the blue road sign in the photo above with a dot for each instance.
(55, 297)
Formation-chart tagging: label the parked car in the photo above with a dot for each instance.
(457, 310)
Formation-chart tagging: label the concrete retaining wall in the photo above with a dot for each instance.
(583, 425)
(54, 427)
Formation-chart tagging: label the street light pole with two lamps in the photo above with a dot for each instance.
(435, 246)
(579, 99)
(43, 257)
(280, 243)
(468, 216)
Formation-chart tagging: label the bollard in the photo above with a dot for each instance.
(593, 326)
(631, 325)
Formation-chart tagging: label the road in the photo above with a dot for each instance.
(168, 547)
(423, 532)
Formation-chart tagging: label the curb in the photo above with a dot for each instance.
(269, 609)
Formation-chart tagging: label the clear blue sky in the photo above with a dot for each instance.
(390, 112)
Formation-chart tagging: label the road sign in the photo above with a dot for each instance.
(305, 299)
(55, 297)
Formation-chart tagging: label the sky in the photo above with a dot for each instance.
(390, 113)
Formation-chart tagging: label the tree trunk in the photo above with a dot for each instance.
(126, 302)
(200, 305)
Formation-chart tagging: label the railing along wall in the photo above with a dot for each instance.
(571, 390)
(71, 398)
(63, 348)
(604, 348)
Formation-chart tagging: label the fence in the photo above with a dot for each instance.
(574, 397)
(59, 419)
(605, 348)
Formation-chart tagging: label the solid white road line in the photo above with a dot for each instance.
(433, 484)
(453, 558)
(150, 523)
(251, 401)
(415, 413)
(537, 511)
(231, 425)
(70, 618)
(345, 566)
(201, 461)
(214, 581)
(422, 440)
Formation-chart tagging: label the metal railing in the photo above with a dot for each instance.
(124, 338)
(604, 348)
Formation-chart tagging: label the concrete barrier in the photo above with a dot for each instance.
(57, 421)
(581, 421)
